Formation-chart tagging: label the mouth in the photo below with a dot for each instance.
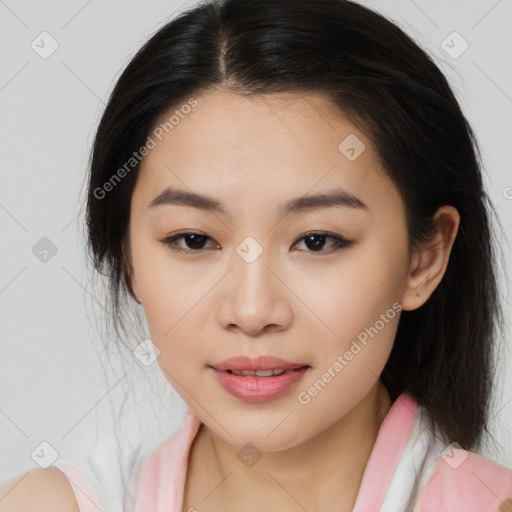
(258, 380)
(265, 373)
(258, 365)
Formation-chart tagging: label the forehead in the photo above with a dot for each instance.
(279, 145)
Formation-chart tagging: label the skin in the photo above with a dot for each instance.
(305, 306)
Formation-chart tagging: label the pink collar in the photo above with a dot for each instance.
(387, 450)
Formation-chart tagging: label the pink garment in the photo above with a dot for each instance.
(457, 481)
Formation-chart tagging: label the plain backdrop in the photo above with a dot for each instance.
(57, 384)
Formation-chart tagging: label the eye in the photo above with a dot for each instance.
(194, 242)
(316, 241)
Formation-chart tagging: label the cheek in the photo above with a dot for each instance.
(176, 298)
(359, 301)
(352, 294)
(167, 291)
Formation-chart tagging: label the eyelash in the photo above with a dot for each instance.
(341, 243)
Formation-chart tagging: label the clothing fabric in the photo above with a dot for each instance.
(449, 479)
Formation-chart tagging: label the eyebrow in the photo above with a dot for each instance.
(334, 198)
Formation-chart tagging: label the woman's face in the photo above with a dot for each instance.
(253, 284)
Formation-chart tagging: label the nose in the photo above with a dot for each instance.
(254, 298)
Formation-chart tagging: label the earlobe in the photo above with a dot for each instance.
(430, 260)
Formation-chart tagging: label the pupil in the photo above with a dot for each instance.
(318, 244)
(195, 239)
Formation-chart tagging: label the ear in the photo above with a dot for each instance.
(429, 261)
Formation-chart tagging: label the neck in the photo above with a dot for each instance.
(336, 460)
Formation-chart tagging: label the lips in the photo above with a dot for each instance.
(258, 379)
(259, 364)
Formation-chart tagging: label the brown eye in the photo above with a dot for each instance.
(194, 242)
(316, 242)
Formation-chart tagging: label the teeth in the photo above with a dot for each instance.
(257, 373)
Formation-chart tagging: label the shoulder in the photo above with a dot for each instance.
(465, 481)
(38, 490)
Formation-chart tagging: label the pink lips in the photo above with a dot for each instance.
(254, 388)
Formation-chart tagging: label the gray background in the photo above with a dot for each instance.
(57, 383)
